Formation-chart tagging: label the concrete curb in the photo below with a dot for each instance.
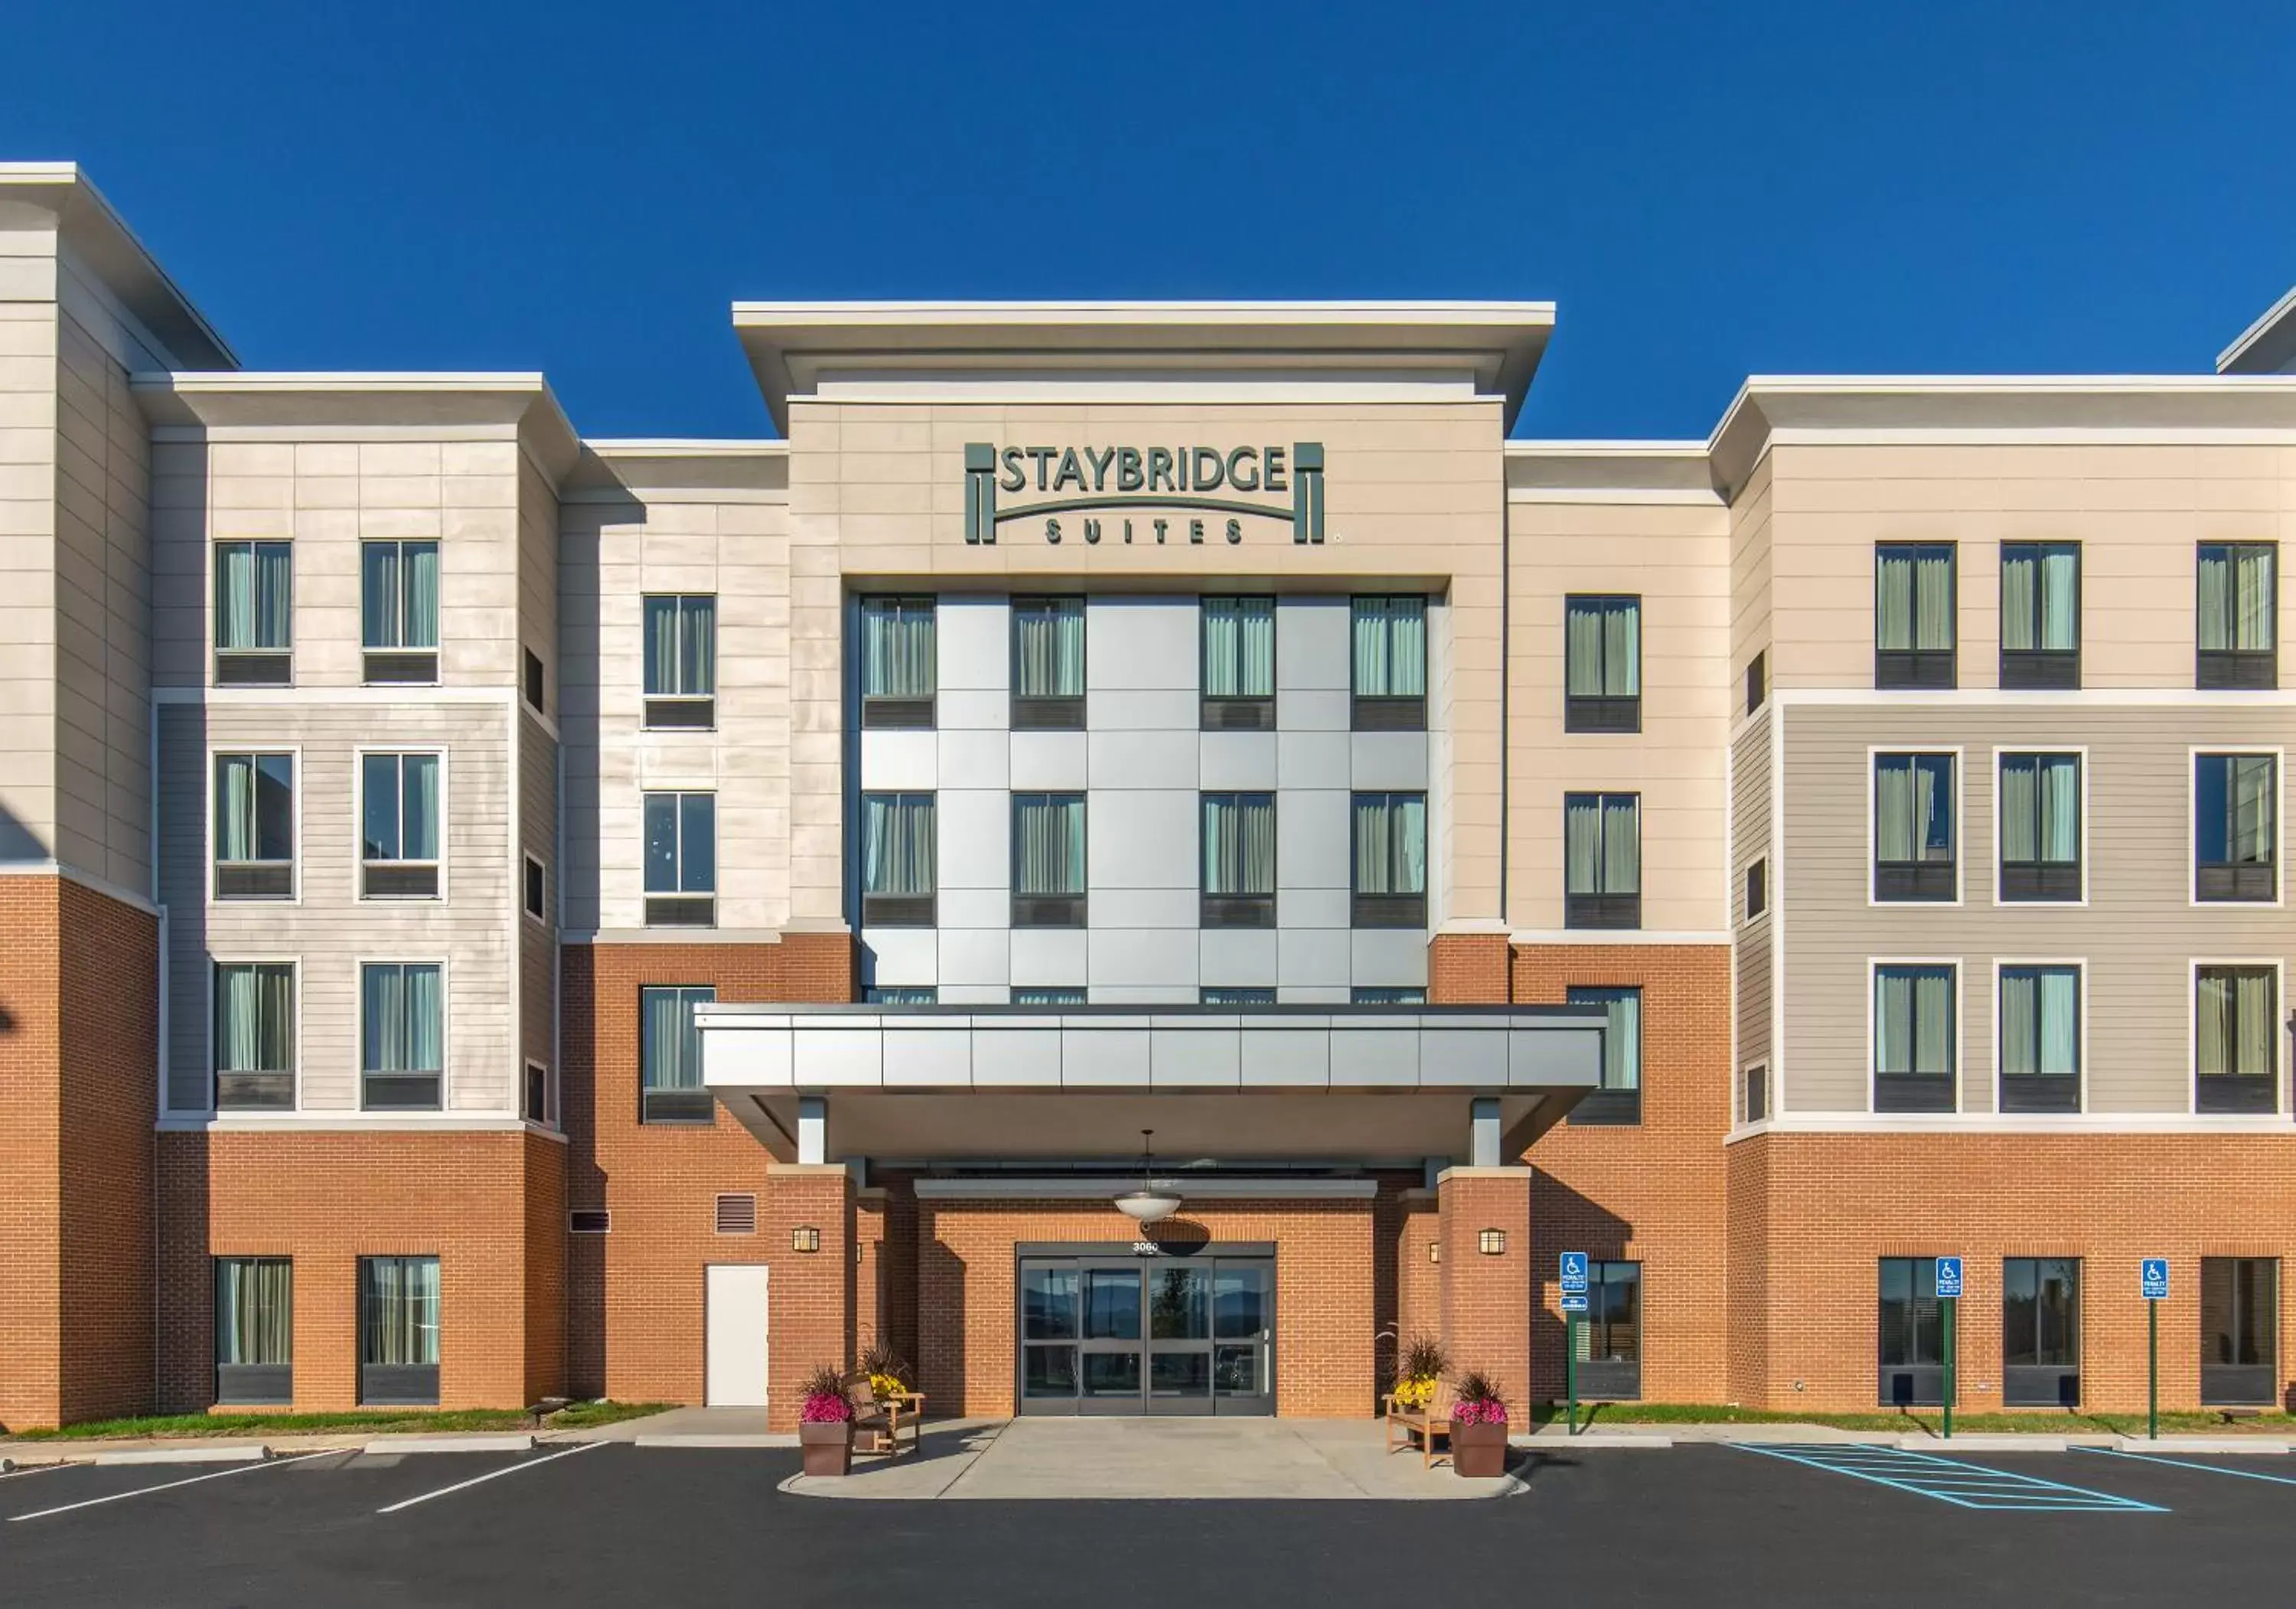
(242, 1454)
(780, 1439)
(2200, 1444)
(2013, 1441)
(498, 1442)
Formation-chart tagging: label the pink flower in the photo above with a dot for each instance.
(1488, 1410)
(826, 1410)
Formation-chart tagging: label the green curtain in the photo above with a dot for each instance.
(2040, 1021)
(419, 812)
(254, 594)
(1582, 843)
(399, 807)
(1048, 844)
(2250, 801)
(1914, 597)
(2040, 596)
(254, 1311)
(1048, 650)
(1602, 647)
(399, 595)
(235, 807)
(2040, 809)
(1913, 808)
(1390, 647)
(1913, 1020)
(2236, 596)
(897, 843)
(2021, 578)
(255, 807)
(661, 647)
(2236, 1022)
(1601, 844)
(255, 1018)
(1239, 843)
(1239, 647)
(399, 1310)
(681, 646)
(402, 1026)
(1622, 1045)
(670, 1054)
(897, 648)
(1390, 843)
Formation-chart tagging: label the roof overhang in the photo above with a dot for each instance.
(96, 235)
(791, 345)
(2268, 346)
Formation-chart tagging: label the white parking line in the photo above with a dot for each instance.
(120, 1496)
(37, 1469)
(491, 1475)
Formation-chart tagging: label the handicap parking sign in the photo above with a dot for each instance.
(1574, 1273)
(1575, 1302)
(1948, 1277)
(2154, 1273)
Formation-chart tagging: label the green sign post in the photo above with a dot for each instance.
(2152, 1280)
(1573, 1281)
(1948, 1290)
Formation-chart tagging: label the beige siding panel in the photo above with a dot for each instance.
(1749, 825)
(2138, 934)
(1749, 574)
(27, 584)
(537, 570)
(537, 826)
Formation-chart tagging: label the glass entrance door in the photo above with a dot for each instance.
(1173, 1335)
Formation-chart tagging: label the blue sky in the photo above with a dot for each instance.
(1706, 191)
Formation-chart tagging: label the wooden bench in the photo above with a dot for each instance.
(877, 1426)
(1407, 1425)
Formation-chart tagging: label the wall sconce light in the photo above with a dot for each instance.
(1492, 1242)
(1434, 1251)
(805, 1237)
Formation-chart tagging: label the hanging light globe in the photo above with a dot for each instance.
(1147, 1205)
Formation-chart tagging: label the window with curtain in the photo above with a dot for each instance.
(2236, 826)
(1914, 1028)
(2236, 1048)
(1389, 648)
(1610, 1341)
(254, 612)
(2041, 1038)
(1239, 664)
(1239, 860)
(254, 1034)
(1389, 855)
(2240, 1325)
(254, 1330)
(402, 1035)
(1385, 995)
(1620, 1100)
(1235, 994)
(1048, 848)
(898, 850)
(669, 1054)
(901, 994)
(2237, 624)
(1047, 663)
(1603, 664)
(681, 660)
(399, 826)
(1912, 1334)
(1602, 860)
(681, 860)
(2040, 824)
(899, 670)
(2040, 1331)
(399, 610)
(1914, 827)
(398, 1330)
(1914, 614)
(2040, 614)
(254, 827)
(1063, 995)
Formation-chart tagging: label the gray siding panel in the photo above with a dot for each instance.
(1750, 823)
(538, 824)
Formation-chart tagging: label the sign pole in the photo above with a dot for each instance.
(2152, 1371)
(1571, 1368)
(1951, 1302)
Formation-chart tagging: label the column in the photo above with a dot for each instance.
(1484, 1215)
(810, 1300)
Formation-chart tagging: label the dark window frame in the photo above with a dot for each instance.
(251, 1384)
(265, 1090)
(380, 1089)
(1610, 1105)
(1048, 711)
(1039, 908)
(257, 665)
(534, 887)
(1753, 1081)
(889, 711)
(2039, 1091)
(2228, 880)
(680, 708)
(1757, 883)
(2235, 1381)
(2251, 1093)
(1244, 996)
(1618, 1379)
(1910, 1090)
(678, 1105)
(1924, 880)
(1602, 713)
(1602, 908)
(2237, 668)
(1758, 680)
(678, 906)
(1931, 669)
(1387, 711)
(2039, 881)
(264, 877)
(1402, 908)
(2030, 1377)
(879, 909)
(1234, 712)
(2043, 668)
(1915, 1378)
(1242, 908)
(386, 1384)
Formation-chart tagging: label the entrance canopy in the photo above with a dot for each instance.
(955, 1083)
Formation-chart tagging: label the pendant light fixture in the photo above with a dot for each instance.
(1147, 1205)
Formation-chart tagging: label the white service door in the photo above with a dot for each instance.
(736, 1374)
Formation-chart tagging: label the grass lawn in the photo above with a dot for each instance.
(577, 1416)
(1924, 1419)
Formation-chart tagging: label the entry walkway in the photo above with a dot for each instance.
(1034, 1459)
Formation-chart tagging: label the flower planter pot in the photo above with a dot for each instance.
(1479, 1450)
(828, 1448)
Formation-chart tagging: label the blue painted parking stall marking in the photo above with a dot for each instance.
(1948, 1480)
(2209, 1469)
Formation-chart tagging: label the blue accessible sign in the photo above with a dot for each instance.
(1574, 1273)
(1575, 1302)
(2153, 1271)
(1949, 1277)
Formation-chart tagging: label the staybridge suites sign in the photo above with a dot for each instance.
(1164, 493)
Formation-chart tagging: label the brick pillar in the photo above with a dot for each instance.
(1468, 969)
(1486, 1298)
(870, 1319)
(1418, 1278)
(810, 1315)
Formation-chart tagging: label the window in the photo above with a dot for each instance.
(1048, 844)
(1914, 1031)
(1603, 664)
(254, 1330)
(2041, 827)
(254, 1033)
(897, 849)
(2040, 614)
(1385, 996)
(399, 826)
(1758, 680)
(2238, 628)
(669, 1056)
(681, 660)
(900, 994)
(2041, 1038)
(1239, 668)
(2240, 1311)
(2236, 1038)
(1913, 807)
(2040, 1331)
(1239, 860)
(398, 1330)
(1390, 676)
(1602, 860)
(538, 1107)
(1913, 614)
(1048, 997)
(1234, 996)
(402, 1035)
(2236, 827)
(399, 610)
(681, 860)
(1390, 861)
(1912, 1334)
(1758, 889)
(536, 889)
(898, 670)
(537, 681)
(1047, 664)
(255, 826)
(1754, 1100)
(1620, 1100)
(254, 614)
(1610, 1334)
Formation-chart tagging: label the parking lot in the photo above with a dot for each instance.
(618, 1524)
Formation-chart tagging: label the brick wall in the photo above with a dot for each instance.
(1467, 969)
(1418, 1278)
(31, 1198)
(811, 1319)
(1486, 1296)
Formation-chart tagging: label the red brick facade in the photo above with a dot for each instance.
(1485, 1227)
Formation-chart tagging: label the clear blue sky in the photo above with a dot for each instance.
(1706, 190)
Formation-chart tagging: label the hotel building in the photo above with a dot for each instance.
(492, 914)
